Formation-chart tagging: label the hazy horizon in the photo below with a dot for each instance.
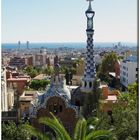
(66, 45)
(115, 42)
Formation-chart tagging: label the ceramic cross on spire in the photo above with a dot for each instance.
(90, 8)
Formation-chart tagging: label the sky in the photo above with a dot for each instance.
(65, 20)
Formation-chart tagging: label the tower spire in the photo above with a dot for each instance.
(90, 71)
(89, 7)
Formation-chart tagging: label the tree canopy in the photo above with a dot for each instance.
(11, 131)
(39, 84)
(125, 115)
(84, 130)
(107, 65)
(49, 70)
(32, 71)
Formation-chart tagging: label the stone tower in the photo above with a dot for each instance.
(90, 70)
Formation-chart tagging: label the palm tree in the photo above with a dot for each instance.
(88, 130)
(56, 126)
(83, 130)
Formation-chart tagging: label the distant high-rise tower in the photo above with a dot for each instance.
(19, 43)
(27, 43)
(90, 70)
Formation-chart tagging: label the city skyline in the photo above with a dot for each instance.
(60, 21)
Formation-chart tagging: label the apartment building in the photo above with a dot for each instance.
(39, 59)
(17, 62)
(7, 94)
(4, 102)
(128, 71)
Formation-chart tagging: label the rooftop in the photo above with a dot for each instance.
(39, 77)
(27, 96)
(111, 98)
(17, 79)
(131, 58)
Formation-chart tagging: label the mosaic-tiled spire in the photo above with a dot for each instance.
(90, 71)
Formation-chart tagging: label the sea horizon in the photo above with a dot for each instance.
(65, 44)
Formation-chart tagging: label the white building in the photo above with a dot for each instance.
(4, 96)
(128, 71)
(7, 94)
(39, 59)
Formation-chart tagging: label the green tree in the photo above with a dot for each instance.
(108, 62)
(11, 131)
(125, 115)
(63, 69)
(77, 62)
(38, 69)
(31, 71)
(73, 70)
(107, 66)
(83, 130)
(39, 84)
(49, 70)
(28, 69)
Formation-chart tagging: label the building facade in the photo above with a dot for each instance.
(7, 94)
(128, 71)
(29, 61)
(17, 62)
(25, 102)
(56, 99)
(4, 96)
(39, 59)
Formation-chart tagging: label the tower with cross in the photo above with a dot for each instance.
(90, 70)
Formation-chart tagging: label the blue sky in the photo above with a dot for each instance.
(65, 20)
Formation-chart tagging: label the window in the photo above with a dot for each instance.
(85, 84)
(124, 67)
(124, 73)
(136, 69)
(60, 107)
(124, 79)
(55, 108)
(90, 84)
(136, 75)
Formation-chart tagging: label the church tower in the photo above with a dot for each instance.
(90, 70)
